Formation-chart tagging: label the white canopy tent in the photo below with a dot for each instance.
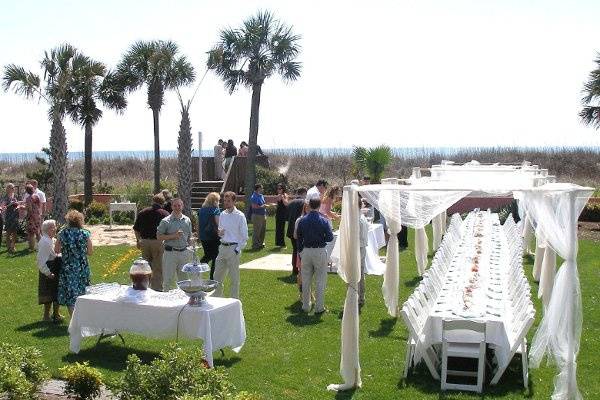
(552, 208)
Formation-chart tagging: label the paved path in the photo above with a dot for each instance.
(55, 387)
(272, 262)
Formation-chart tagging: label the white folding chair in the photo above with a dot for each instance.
(415, 329)
(451, 347)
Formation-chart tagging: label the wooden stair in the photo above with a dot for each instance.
(201, 189)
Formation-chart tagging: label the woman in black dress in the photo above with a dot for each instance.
(281, 215)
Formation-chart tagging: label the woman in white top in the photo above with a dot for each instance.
(47, 281)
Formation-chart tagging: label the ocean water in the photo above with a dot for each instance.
(399, 151)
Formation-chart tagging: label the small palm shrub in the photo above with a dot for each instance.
(269, 179)
(83, 381)
(21, 372)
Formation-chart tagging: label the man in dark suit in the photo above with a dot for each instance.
(295, 208)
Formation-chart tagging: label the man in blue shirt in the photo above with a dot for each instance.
(314, 232)
(259, 217)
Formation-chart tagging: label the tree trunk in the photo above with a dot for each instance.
(87, 170)
(58, 166)
(252, 141)
(184, 161)
(155, 113)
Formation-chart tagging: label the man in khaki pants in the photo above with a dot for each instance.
(145, 234)
(259, 217)
(176, 232)
(314, 232)
(233, 231)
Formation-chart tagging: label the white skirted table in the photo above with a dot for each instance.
(219, 322)
(376, 241)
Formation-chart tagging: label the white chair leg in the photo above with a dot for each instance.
(525, 365)
(408, 358)
(444, 375)
(481, 368)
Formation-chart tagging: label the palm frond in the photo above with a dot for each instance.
(590, 115)
(22, 82)
(112, 92)
(180, 73)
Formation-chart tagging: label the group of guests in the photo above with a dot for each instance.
(165, 240)
(31, 207)
(225, 152)
(62, 260)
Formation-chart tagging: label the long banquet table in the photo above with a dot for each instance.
(219, 322)
(476, 287)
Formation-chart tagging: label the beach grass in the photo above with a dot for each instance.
(289, 354)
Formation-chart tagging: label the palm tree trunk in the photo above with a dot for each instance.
(58, 166)
(155, 113)
(252, 141)
(87, 173)
(184, 161)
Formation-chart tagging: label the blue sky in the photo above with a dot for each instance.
(405, 73)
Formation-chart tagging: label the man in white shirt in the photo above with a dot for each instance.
(233, 230)
(317, 191)
(41, 195)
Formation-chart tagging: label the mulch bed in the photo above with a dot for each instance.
(589, 231)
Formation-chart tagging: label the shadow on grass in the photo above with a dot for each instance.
(413, 282)
(287, 279)
(299, 317)
(345, 394)
(110, 356)
(386, 326)
(44, 329)
(226, 362)
(20, 253)
(511, 383)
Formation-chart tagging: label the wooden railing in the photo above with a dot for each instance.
(235, 177)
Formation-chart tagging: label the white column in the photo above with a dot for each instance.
(199, 156)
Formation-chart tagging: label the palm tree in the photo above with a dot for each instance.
(91, 84)
(184, 158)
(157, 65)
(57, 68)
(373, 160)
(590, 114)
(247, 56)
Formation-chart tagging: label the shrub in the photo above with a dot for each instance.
(176, 374)
(83, 381)
(103, 187)
(269, 179)
(241, 205)
(76, 204)
(337, 207)
(121, 218)
(21, 372)
(590, 213)
(139, 193)
(96, 210)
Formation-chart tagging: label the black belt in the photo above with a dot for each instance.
(170, 248)
(228, 244)
(316, 247)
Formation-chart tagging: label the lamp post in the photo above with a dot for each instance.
(200, 156)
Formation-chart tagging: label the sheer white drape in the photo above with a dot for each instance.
(349, 271)
(555, 209)
(413, 207)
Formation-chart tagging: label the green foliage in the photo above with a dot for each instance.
(103, 187)
(174, 374)
(82, 380)
(590, 213)
(374, 161)
(21, 372)
(139, 193)
(170, 185)
(96, 210)
(76, 204)
(43, 174)
(269, 179)
(121, 218)
(241, 205)
(337, 207)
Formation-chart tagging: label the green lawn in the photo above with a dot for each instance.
(288, 354)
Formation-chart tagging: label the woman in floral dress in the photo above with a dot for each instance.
(9, 207)
(75, 245)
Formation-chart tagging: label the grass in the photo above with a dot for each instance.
(288, 354)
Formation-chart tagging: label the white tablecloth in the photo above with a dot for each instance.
(490, 302)
(219, 322)
(376, 241)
